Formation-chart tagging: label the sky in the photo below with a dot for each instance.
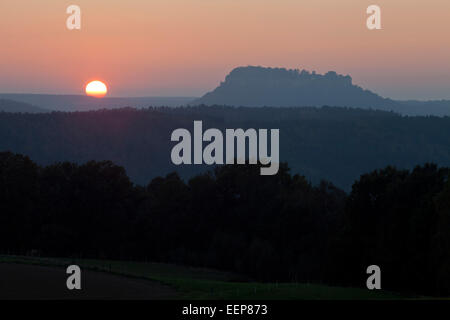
(186, 47)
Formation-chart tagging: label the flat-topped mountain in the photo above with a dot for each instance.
(258, 86)
(278, 87)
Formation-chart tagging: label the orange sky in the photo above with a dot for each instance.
(186, 47)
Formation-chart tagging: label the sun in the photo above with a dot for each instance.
(96, 89)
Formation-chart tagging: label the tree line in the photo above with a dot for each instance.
(269, 228)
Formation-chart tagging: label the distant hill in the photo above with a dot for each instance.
(332, 143)
(278, 87)
(85, 103)
(15, 106)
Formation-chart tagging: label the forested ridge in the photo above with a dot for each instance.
(336, 144)
(270, 228)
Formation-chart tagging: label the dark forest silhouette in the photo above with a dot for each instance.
(270, 228)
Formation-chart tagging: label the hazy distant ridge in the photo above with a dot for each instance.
(84, 103)
(16, 106)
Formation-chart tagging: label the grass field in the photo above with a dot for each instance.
(205, 284)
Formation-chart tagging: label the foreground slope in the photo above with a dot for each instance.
(139, 280)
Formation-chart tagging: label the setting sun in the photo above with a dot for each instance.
(96, 89)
